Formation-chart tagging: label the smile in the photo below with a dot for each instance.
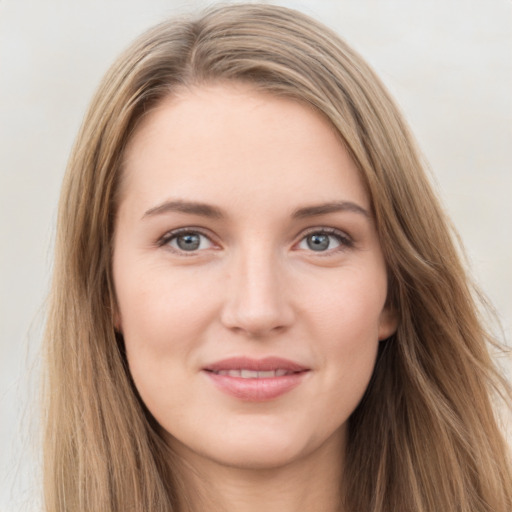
(256, 380)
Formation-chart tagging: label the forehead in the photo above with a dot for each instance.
(230, 142)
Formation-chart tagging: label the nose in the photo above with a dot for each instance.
(256, 295)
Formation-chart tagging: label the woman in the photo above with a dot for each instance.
(257, 302)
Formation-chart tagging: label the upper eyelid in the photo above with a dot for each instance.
(326, 230)
(323, 229)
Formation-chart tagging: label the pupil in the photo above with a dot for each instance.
(318, 242)
(188, 242)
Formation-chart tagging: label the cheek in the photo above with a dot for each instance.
(165, 316)
(160, 327)
(346, 317)
(348, 306)
(161, 309)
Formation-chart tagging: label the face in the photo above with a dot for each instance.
(250, 282)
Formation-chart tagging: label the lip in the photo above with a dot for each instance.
(256, 388)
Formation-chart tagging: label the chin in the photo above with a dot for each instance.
(256, 446)
(259, 455)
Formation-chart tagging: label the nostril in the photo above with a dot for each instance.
(255, 331)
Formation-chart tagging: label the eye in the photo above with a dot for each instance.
(186, 241)
(324, 240)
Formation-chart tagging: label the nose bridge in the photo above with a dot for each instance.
(256, 298)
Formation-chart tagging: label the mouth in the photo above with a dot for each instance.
(256, 380)
(244, 373)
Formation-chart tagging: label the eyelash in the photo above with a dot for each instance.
(174, 234)
(345, 241)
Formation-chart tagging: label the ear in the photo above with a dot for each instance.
(116, 318)
(388, 323)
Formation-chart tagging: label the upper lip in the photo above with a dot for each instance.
(262, 365)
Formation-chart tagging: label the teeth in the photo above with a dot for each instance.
(248, 374)
(253, 374)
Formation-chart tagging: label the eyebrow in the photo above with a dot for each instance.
(190, 207)
(207, 210)
(332, 207)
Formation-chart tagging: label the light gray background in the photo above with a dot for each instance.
(447, 62)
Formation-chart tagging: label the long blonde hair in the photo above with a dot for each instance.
(425, 437)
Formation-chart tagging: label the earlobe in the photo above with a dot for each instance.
(388, 323)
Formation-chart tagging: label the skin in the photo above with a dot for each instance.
(254, 287)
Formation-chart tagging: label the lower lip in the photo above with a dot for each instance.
(256, 390)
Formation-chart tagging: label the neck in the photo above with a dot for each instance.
(309, 484)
